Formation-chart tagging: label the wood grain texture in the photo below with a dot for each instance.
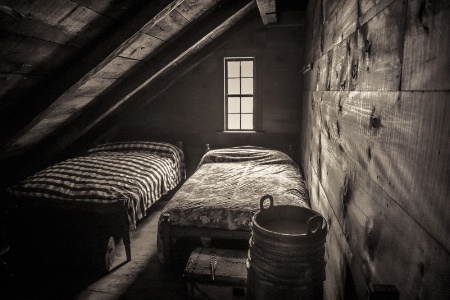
(426, 63)
(379, 48)
(59, 21)
(375, 225)
(340, 20)
(367, 9)
(399, 139)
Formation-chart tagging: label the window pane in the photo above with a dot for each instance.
(247, 68)
(234, 86)
(247, 104)
(247, 121)
(233, 69)
(233, 121)
(247, 85)
(234, 105)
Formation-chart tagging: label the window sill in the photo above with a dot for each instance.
(240, 131)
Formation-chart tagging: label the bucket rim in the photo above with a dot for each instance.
(316, 224)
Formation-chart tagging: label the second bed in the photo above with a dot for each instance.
(221, 197)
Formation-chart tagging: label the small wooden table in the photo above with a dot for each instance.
(216, 274)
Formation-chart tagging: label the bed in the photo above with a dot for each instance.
(123, 179)
(220, 198)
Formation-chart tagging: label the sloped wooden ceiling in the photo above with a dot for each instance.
(67, 64)
(78, 51)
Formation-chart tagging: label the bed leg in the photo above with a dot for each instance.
(165, 232)
(126, 231)
(126, 242)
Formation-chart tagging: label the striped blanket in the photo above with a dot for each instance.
(137, 172)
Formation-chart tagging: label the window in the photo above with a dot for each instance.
(239, 94)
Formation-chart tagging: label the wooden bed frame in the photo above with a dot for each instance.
(116, 209)
(169, 232)
(172, 232)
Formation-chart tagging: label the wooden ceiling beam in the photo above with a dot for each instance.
(144, 84)
(154, 82)
(94, 58)
(268, 11)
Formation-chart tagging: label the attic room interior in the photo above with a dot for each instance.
(214, 149)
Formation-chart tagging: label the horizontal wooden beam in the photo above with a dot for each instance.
(93, 58)
(268, 11)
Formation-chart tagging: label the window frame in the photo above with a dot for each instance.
(226, 95)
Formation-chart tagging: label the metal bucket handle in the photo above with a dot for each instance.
(261, 202)
(314, 224)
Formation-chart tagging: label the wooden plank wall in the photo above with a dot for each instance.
(375, 143)
(191, 109)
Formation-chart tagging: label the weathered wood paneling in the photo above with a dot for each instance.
(370, 8)
(378, 155)
(379, 49)
(426, 63)
(340, 20)
(399, 139)
(374, 224)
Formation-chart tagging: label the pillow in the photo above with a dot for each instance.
(246, 154)
(159, 148)
(162, 149)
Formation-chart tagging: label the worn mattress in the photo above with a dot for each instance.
(225, 190)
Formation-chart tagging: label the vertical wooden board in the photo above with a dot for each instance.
(329, 8)
(168, 26)
(380, 46)
(341, 65)
(394, 248)
(340, 24)
(380, 230)
(335, 244)
(317, 30)
(340, 256)
(399, 140)
(427, 40)
(323, 67)
(423, 158)
(119, 67)
(309, 32)
(143, 47)
(370, 8)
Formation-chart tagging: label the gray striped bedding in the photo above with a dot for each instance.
(137, 172)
